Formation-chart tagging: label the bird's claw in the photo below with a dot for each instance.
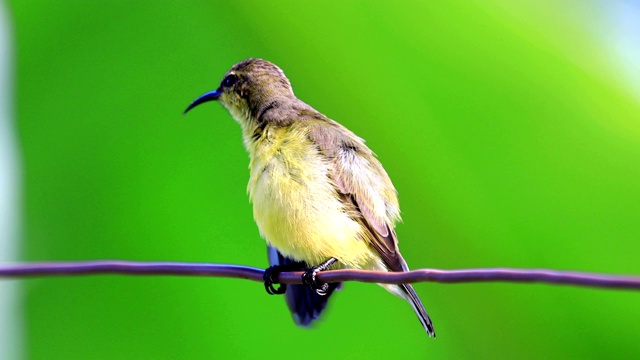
(271, 277)
(309, 278)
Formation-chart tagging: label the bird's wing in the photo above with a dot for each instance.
(364, 186)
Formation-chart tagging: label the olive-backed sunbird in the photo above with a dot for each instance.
(319, 194)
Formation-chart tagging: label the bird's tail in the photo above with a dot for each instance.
(416, 304)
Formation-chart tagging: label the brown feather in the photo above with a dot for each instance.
(341, 145)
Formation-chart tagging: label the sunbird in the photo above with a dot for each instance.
(321, 199)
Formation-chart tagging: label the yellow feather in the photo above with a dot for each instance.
(296, 206)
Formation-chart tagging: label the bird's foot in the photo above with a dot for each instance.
(309, 277)
(271, 277)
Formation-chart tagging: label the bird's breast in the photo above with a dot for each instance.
(295, 203)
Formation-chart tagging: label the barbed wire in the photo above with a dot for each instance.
(95, 267)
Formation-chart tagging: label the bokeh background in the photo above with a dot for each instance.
(511, 130)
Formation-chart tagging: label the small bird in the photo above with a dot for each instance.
(320, 197)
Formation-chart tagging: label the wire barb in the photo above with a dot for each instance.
(244, 272)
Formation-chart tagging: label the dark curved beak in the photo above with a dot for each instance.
(210, 96)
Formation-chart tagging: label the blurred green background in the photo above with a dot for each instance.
(511, 130)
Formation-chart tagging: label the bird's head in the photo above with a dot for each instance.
(247, 88)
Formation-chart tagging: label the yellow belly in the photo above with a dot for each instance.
(296, 206)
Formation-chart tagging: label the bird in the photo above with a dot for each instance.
(321, 198)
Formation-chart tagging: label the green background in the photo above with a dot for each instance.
(509, 128)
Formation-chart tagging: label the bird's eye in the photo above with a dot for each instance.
(229, 80)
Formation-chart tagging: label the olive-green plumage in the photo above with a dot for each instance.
(317, 190)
